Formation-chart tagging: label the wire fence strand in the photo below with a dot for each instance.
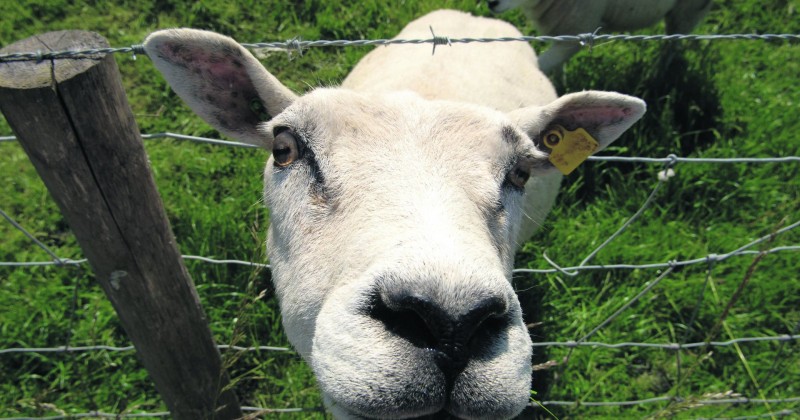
(568, 344)
(31, 237)
(738, 400)
(669, 159)
(259, 410)
(643, 266)
(298, 45)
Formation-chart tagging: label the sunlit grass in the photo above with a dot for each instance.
(711, 99)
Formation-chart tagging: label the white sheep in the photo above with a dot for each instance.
(396, 203)
(572, 17)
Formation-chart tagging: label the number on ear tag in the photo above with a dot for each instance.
(568, 149)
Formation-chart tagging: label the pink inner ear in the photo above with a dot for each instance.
(597, 116)
(214, 80)
(226, 69)
(223, 68)
(179, 53)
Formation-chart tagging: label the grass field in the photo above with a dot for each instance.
(705, 99)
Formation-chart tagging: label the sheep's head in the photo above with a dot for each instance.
(392, 227)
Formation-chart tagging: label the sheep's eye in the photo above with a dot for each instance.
(520, 172)
(286, 148)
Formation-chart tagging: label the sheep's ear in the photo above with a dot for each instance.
(220, 80)
(590, 120)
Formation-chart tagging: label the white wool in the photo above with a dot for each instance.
(573, 17)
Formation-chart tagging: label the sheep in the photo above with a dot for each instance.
(396, 204)
(572, 17)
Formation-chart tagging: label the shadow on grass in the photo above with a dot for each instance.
(684, 112)
(683, 118)
(531, 300)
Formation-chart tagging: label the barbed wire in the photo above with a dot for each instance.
(298, 44)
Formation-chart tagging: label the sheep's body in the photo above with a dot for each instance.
(572, 17)
(396, 204)
(438, 76)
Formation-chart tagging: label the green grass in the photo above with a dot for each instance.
(709, 99)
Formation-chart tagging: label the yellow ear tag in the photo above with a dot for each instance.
(568, 149)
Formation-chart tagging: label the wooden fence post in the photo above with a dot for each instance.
(72, 118)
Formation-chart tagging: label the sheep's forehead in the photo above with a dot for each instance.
(346, 126)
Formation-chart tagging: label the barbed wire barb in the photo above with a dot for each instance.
(439, 40)
(588, 38)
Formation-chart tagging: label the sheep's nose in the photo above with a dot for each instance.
(451, 333)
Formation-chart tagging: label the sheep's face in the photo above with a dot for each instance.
(391, 229)
(392, 226)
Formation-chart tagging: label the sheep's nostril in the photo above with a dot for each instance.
(403, 321)
(426, 324)
(486, 314)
